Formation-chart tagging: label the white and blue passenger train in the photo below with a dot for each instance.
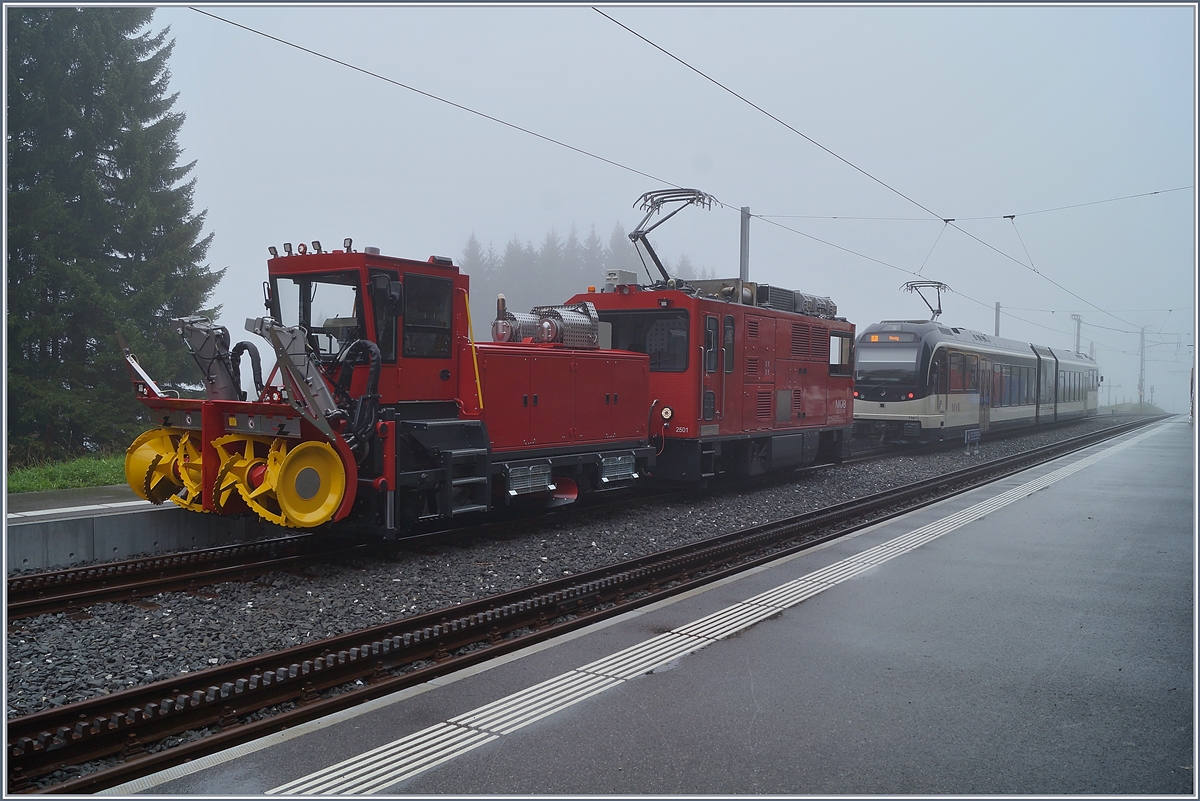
(919, 381)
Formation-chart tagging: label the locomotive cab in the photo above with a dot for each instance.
(744, 378)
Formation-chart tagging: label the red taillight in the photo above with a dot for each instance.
(910, 396)
(856, 393)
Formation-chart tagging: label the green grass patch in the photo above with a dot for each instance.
(89, 471)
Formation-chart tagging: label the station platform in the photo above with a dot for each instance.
(1036, 636)
(60, 529)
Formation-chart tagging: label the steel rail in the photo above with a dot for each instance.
(137, 579)
(384, 659)
(132, 580)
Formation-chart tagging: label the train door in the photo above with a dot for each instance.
(939, 381)
(711, 408)
(985, 393)
(1047, 372)
(730, 396)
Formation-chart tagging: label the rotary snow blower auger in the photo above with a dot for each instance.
(290, 456)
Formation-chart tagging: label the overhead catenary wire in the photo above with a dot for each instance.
(941, 231)
(908, 272)
(974, 219)
(948, 220)
(709, 78)
(619, 165)
(431, 96)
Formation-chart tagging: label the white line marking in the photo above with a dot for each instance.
(96, 507)
(522, 708)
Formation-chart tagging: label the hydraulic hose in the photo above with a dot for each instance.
(362, 422)
(235, 359)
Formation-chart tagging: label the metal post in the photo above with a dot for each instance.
(997, 319)
(744, 270)
(1142, 373)
(1078, 322)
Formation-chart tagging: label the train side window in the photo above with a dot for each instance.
(972, 384)
(956, 372)
(728, 343)
(841, 354)
(662, 334)
(712, 327)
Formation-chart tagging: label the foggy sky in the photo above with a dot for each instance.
(964, 112)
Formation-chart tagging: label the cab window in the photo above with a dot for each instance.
(326, 306)
(712, 328)
(728, 343)
(841, 354)
(427, 316)
(663, 335)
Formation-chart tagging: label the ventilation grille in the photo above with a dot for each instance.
(801, 340)
(763, 405)
(820, 343)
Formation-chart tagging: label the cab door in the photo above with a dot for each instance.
(711, 407)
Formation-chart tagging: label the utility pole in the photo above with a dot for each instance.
(744, 269)
(1078, 322)
(1142, 373)
(1111, 387)
(997, 319)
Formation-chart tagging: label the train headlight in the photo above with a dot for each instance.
(667, 413)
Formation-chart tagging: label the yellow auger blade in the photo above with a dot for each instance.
(238, 454)
(150, 464)
(189, 462)
(301, 486)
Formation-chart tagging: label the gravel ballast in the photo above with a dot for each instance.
(54, 659)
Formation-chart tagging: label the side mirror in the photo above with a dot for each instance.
(391, 292)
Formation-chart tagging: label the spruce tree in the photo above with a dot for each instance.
(101, 232)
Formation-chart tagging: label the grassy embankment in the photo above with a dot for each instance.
(89, 471)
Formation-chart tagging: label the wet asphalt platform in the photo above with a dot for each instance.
(1032, 637)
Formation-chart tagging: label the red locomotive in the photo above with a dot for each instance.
(387, 412)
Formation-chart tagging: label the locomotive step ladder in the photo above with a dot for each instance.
(459, 450)
(468, 483)
(708, 459)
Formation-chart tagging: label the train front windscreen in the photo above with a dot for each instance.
(886, 364)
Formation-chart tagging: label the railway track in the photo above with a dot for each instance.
(123, 735)
(134, 581)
